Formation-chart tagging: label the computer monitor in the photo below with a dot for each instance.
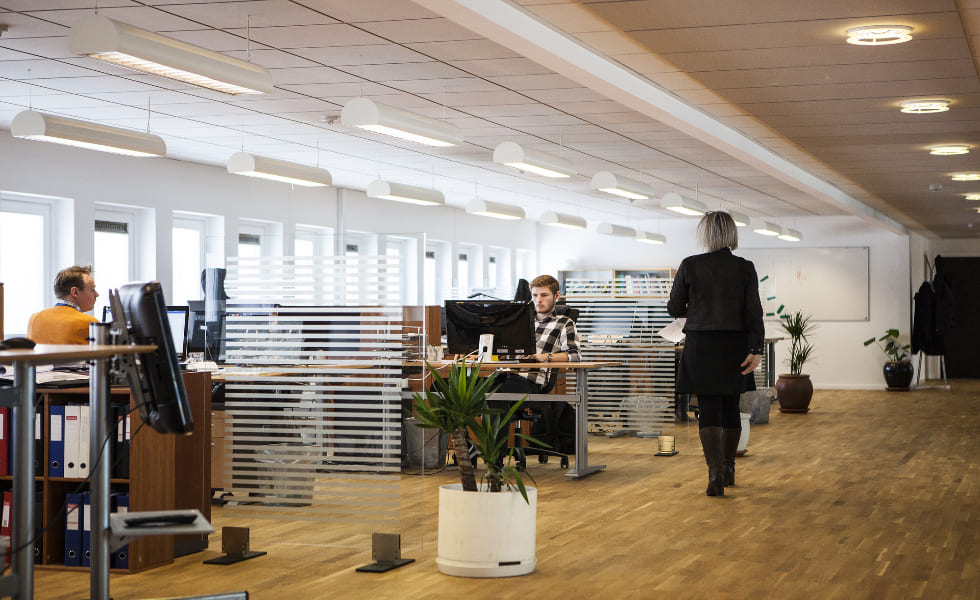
(178, 318)
(154, 378)
(511, 323)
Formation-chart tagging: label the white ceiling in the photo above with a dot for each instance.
(756, 106)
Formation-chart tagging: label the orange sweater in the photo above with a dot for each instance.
(59, 325)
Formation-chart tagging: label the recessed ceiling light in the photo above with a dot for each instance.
(922, 107)
(966, 176)
(972, 196)
(951, 150)
(879, 35)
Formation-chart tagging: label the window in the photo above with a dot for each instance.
(188, 258)
(430, 278)
(500, 282)
(313, 241)
(259, 238)
(113, 259)
(437, 271)
(405, 250)
(25, 261)
(463, 275)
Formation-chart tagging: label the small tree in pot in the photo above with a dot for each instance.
(898, 369)
(794, 390)
(472, 542)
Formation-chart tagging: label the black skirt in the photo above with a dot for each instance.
(711, 363)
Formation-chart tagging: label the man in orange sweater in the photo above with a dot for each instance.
(66, 322)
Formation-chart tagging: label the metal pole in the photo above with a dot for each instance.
(22, 414)
(100, 459)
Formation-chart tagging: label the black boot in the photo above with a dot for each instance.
(730, 437)
(711, 443)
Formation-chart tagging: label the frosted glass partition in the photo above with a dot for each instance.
(638, 396)
(314, 348)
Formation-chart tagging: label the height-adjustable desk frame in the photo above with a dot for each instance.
(20, 583)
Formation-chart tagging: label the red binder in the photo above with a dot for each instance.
(8, 499)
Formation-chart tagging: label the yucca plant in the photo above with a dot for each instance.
(798, 327)
(457, 405)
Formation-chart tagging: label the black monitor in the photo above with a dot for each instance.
(203, 335)
(154, 380)
(511, 323)
(178, 318)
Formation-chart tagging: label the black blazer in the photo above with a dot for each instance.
(718, 291)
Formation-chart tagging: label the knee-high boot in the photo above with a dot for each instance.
(711, 443)
(730, 438)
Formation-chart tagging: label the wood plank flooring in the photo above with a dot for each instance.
(870, 495)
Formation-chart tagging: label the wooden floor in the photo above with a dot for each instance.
(870, 495)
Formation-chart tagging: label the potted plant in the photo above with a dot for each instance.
(794, 389)
(898, 369)
(485, 530)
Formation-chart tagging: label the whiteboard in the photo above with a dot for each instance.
(831, 284)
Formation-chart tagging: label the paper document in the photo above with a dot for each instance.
(674, 332)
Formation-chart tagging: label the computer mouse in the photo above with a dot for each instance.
(18, 343)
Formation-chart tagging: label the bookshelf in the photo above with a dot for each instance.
(154, 482)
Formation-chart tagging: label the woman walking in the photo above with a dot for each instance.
(718, 293)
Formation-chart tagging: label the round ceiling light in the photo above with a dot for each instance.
(951, 150)
(921, 107)
(879, 35)
(966, 176)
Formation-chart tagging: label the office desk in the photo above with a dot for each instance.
(20, 583)
(579, 400)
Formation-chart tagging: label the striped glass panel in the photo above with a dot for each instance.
(313, 401)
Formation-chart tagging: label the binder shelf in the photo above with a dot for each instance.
(142, 478)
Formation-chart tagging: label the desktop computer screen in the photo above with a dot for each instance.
(178, 317)
(510, 322)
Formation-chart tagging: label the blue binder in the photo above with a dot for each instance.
(56, 445)
(120, 558)
(73, 530)
(86, 530)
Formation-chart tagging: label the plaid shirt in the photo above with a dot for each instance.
(554, 333)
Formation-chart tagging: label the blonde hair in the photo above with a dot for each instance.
(717, 230)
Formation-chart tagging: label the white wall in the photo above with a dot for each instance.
(841, 360)
(87, 177)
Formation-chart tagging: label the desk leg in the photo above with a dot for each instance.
(582, 468)
(770, 365)
(98, 409)
(22, 417)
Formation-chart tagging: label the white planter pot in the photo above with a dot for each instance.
(486, 535)
(743, 440)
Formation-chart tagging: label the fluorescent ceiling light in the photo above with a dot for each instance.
(676, 203)
(791, 235)
(951, 150)
(539, 163)
(617, 185)
(879, 35)
(740, 219)
(364, 113)
(399, 192)
(618, 230)
(767, 228)
(648, 237)
(251, 165)
(972, 196)
(127, 46)
(478, 206)
(32, 125)
(921, 107)
(966, 176)
(553, 219)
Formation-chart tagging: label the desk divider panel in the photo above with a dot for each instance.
(615, 325)
(313, 401)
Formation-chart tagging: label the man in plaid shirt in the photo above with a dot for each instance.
(556, 342)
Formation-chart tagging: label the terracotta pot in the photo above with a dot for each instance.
(898, 375)
(794, 393)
